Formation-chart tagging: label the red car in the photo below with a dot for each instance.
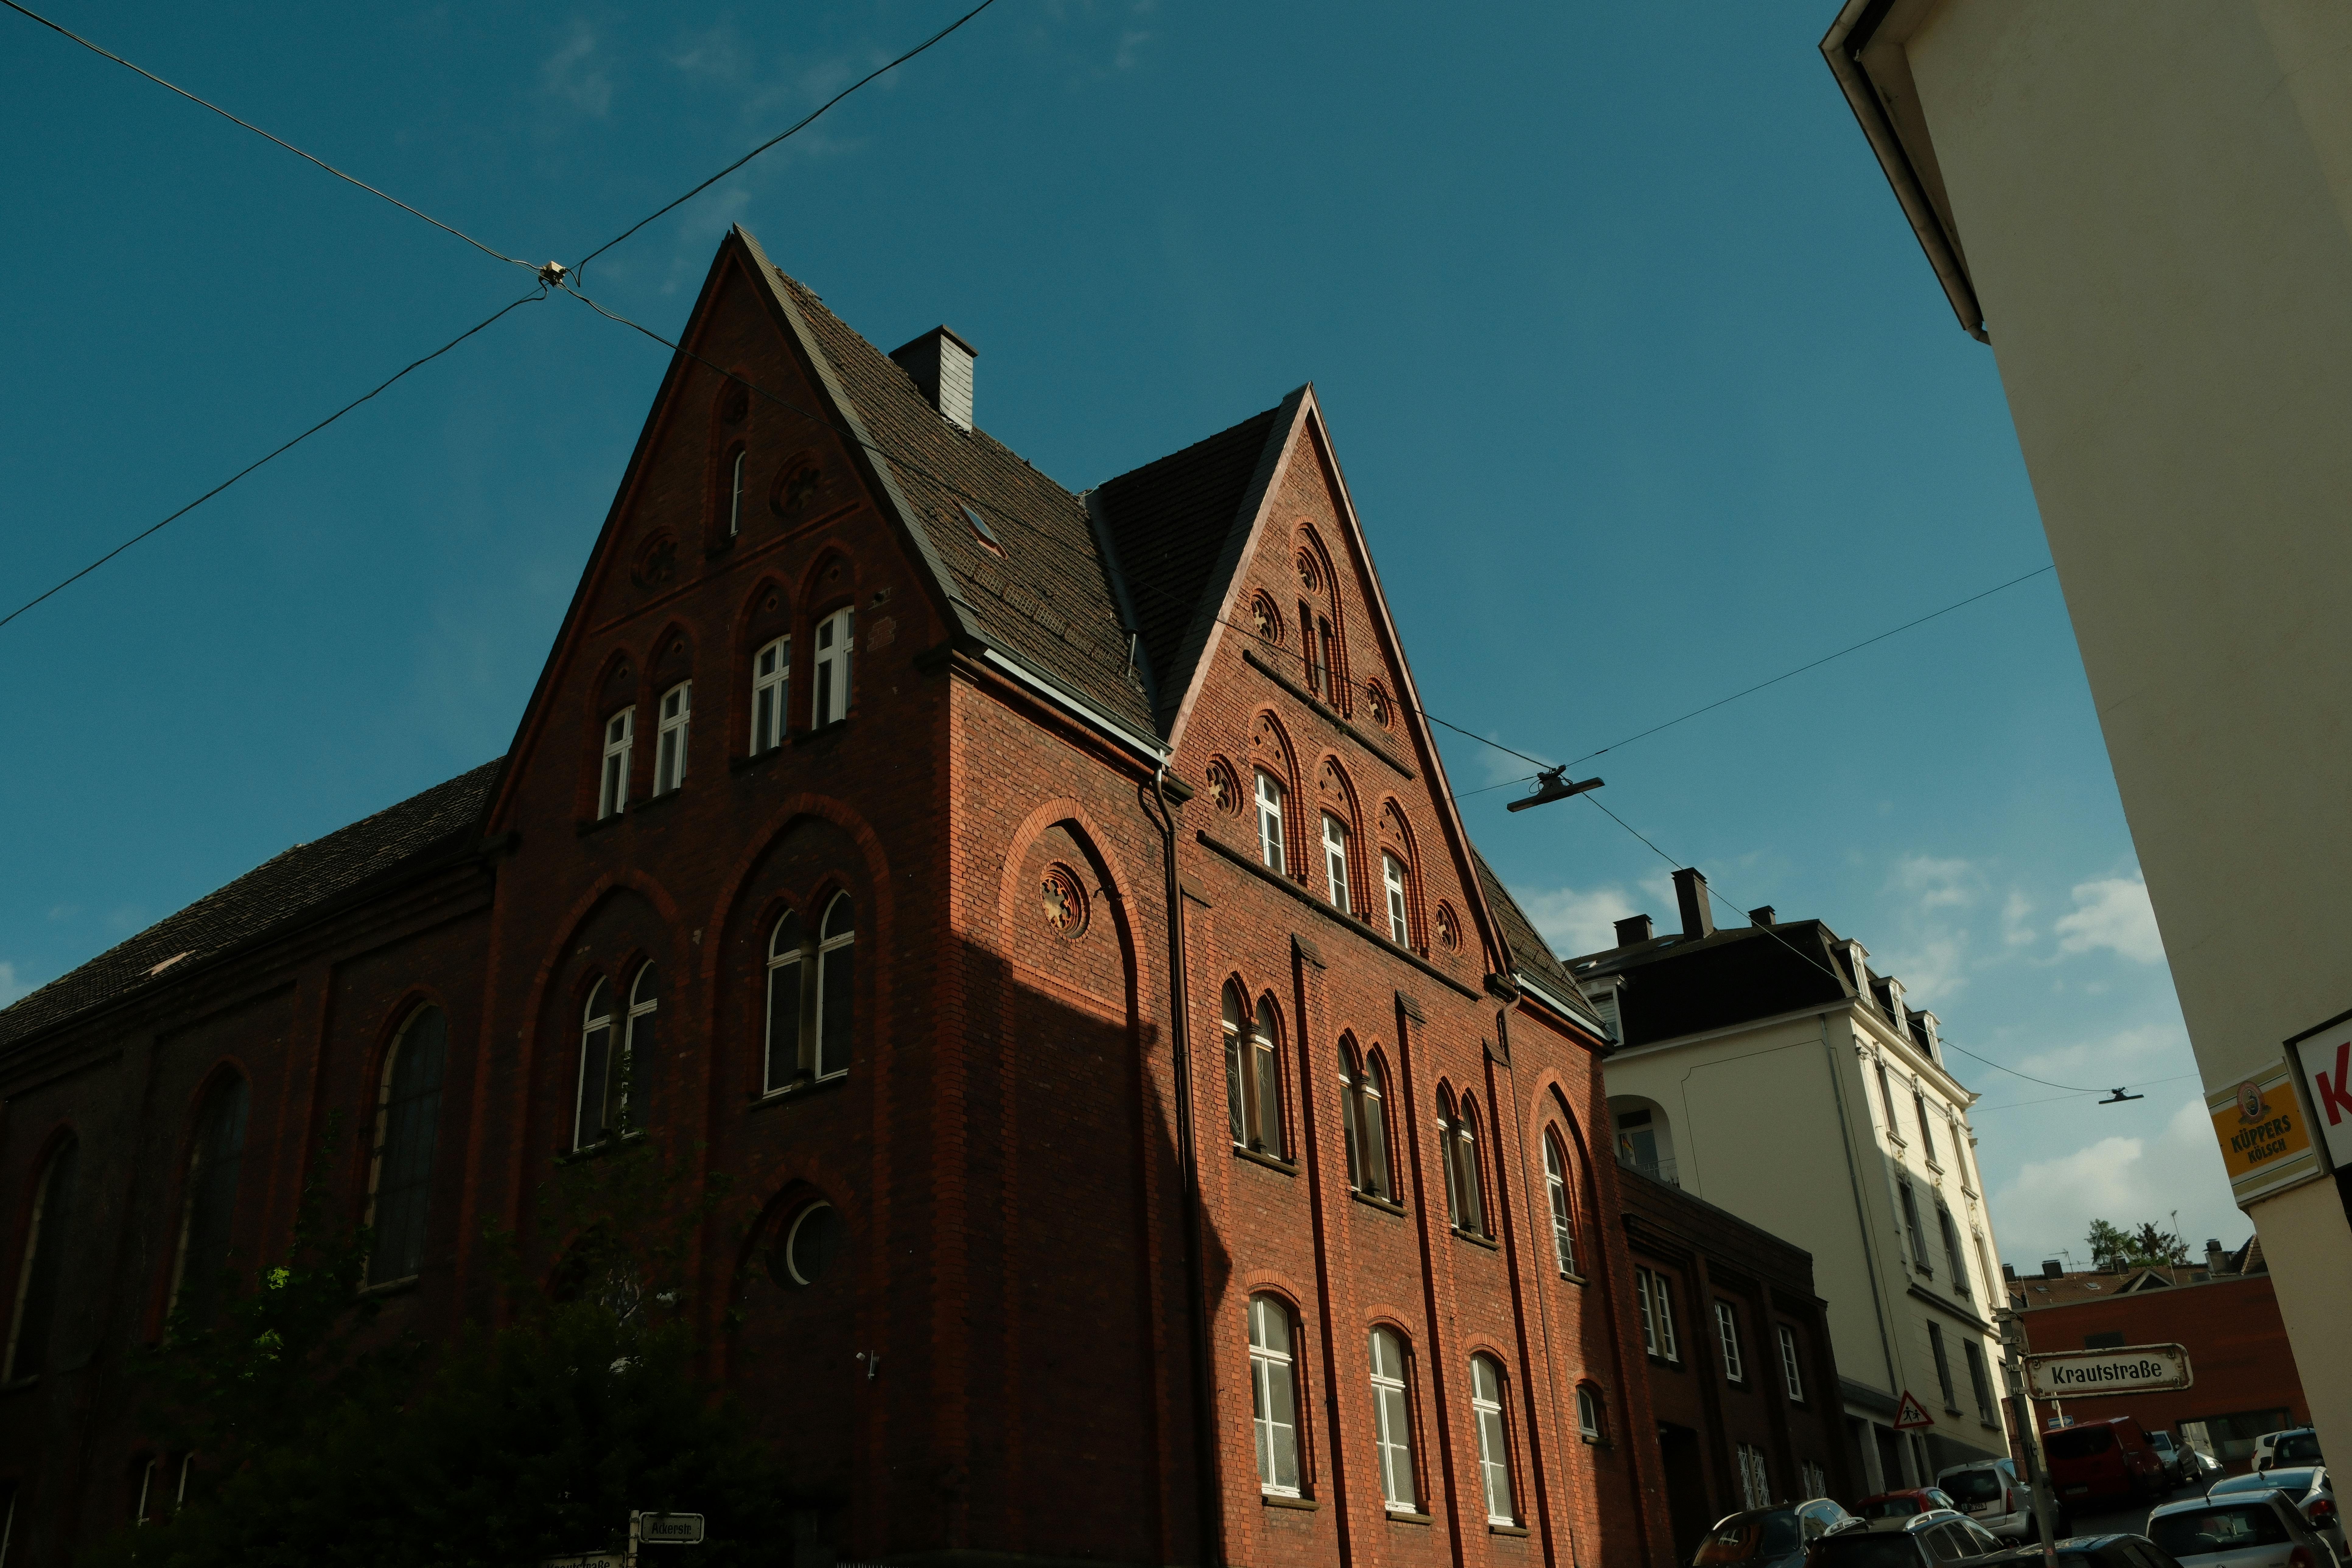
(1904, 1503)
(2111, 1458)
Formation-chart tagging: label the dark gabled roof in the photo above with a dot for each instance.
(1530, 954)
(272, 895)
(1048, 599)
(1173, 524)
(1684, 985)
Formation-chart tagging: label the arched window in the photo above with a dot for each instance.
(1591, 1415)
(1458, 1148)
(811, 997)
(639, 1054)
(208, 1205)
(45, 1240)
(771, 674)
(594, 1119)
(836, 1008)
(735, 494)
(1392, 1423)
(1363, 1116)
(669, 742)
(1254, 1075)
(785, 988)
(1392, 881)
(1563, 1208)
(815, 1238)
(1269, 821)
(612, 782)
(1335, 862)
(830, 701)
(1494, 1438)
(408, 1116)
(1274, 1395)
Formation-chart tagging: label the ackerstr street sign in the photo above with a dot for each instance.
(671, 1528)
(2126, 1369)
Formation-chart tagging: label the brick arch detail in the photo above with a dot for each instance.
(1067, 812)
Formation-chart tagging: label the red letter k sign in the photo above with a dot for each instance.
(2336, 1096)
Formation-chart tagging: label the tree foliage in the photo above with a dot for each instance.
(324, 1442)
(2113, 1247)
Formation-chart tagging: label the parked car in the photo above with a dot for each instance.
(2295, 1446)
(2103, 1460)
(1771, 1537)
(2178, 1469)
(2239, 1529)
(1914, 1541)
(2115, 1551)
(2206, 1467)
(1992, 1494)
(2306, 1487)
(1904, 1502)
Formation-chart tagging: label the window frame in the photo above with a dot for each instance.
(836, 947)
(673, 718)
(1490, 1416)
(38, 1269)
(1592, 1414)
(1393, 1422)
(1335, 863)
(1727, 1334)
(595, 1017)
(735, 493)
(1943, 1367)
(1393, 883)
(1563, 1206)
(1909, 1199)
(199, 1178)
(1791, 1363)
(390, 1104)
(771, 695)
(613, 768)
(1272, 800)
(1268, 1365)
(830, 689)
(1363, 1120)
(1466, 1189)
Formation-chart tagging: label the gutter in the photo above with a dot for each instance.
(1061, 696)
(1584, 1017)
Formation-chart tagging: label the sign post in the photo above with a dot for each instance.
(2029, 1426)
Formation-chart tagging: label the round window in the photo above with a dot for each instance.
(816, 1238)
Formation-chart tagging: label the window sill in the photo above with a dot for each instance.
(1494, 1528)
(1287, 1167)
(799, 1088)
(1590, 1441)
(1380, 1204)
(628, 1139)
(1655, 1359)
(400, 1287)
(1475, 1240)
(1572, 1278)
(756, 760)
(1406, 1516)
(822, 732)
(598, 824)
(656, 802)
(1275, 1499)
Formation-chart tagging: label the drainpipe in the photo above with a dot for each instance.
(1211, 1521)
(1860, 1213)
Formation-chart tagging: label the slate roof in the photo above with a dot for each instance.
(1175, 527)
(273, 894)
(1682, 985)
(1530, 952)
(1048, 598)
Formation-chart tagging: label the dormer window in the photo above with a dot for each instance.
(669, 750)
(613, 785)
(1334, 861)
(771, 674)
(1269, 821)
(830, 703)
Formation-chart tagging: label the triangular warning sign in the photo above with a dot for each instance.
(1910, 1414)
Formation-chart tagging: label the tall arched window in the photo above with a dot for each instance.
(1254, 1075)
(639, 1057)
(771, 674)
(829, 702)
(1269, 821)
(1392, 1423)
(669, 742)
(1274, 1395)
(1494, 1438)
(1363, 1116)
(811, 997)
(208, 1205)
(785, 970)
(1563, 1208)
(735, 494)
(1335, 863)
(1392, 882)
(1457, 1142)
(836, 1012)
(1592, 1414)
(594, 1119)
(408, 1117)
(613, 780)
(45, 1239)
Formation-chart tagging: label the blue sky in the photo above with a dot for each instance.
(1642, 385)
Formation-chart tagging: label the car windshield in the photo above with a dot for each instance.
(2292, 1482)
(2206, 1529)
(1858, 1548)
(1972, 1485)
(2301, 1449)
(2162, 1440)
(1891, 1508)
(1780, 1534)
(2080, 1444)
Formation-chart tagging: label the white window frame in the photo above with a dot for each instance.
(837, 636)
(1494, 1440)
(735, 495)
(1642, 1295)
(1335, 862)
(1791, 1363)
(1467, 1189)
(1590, 1424)
(613, 775)
(597, 1015)
(675, 722)
(782, 957)
(1270, 795)
(639, 1006)
(827, 945)
(146, 1489)
(1393, 880)
(1269, 1363)
(1726, 1333)
(1755, 1478)
(771, 685)
(1563, 1211)
(1663, 1301)
(1392, 1424)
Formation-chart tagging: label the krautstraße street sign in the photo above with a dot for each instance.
(670, 1529)
(2122, 1369)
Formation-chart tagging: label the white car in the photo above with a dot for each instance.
(1991, 1494)
(2305, 1486)
(2240, 1530)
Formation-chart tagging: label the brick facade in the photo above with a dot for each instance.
(1034, 1341)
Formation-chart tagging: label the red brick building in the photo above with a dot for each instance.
(1158, 1136)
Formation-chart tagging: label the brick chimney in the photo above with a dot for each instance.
(1690, 892)
(940, 366)
(1632, 928)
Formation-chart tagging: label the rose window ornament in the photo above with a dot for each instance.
(1064, 901)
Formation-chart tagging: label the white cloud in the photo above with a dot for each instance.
(1933, 971)
(1577, 923)
(10, 986)
(571, 74)
(2118, 1057)
(2111, 912)
(1937, 884)
(2014, 931)
(2051, 1203)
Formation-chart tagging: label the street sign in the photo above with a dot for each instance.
(670, 1529)
(2126, 1369)
(1910, 1415)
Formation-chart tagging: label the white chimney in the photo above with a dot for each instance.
(939, 363)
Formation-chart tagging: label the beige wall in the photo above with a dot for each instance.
(2155, 204)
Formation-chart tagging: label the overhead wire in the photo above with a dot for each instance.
(205, 103)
